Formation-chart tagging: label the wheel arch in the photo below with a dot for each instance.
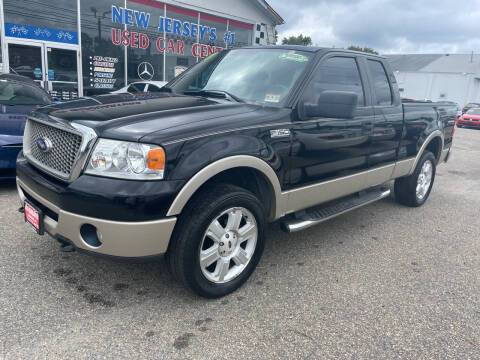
(434, 143)
(224, 167)
(435, 146)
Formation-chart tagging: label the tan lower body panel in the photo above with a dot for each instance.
(312, 195)
(403, 168)
(122, 239)
(308, 196)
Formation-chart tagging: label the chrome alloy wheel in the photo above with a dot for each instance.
(424, 180)
(228, 245)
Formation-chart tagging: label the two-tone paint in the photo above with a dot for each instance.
(292, 161)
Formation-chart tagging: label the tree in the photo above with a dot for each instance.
(275, 38)
(297, 40)
(365, 49)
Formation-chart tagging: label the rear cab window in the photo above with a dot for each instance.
(382, 89)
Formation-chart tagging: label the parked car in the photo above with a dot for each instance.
(470, 106)
(245, 137)
(140, 87)
(470, 119)
(18, 97)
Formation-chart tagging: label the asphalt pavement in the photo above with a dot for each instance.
(382, 282)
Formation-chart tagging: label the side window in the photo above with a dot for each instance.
(338, 74)
(383, 92)
(136, 88)
(153, 88)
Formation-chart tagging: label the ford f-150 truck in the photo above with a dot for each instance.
(246, 137)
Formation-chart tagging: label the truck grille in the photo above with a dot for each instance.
(60, 158)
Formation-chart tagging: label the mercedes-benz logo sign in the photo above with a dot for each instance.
(145, 71)
(44, 144)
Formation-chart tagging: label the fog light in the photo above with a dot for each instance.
(91, 235)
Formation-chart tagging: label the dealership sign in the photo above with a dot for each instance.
(166, 25)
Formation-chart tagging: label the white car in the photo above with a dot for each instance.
(141, 86)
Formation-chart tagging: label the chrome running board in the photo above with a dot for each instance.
(316, 215)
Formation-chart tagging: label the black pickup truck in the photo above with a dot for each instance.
(246, 137)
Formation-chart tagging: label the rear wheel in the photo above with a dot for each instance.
(415, 189)
(219, 241)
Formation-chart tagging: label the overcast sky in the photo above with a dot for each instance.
(388, 26)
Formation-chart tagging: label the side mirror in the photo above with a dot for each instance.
(332, 104)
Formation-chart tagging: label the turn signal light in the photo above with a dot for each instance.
(156, 159)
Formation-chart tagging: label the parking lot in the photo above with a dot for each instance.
(384, 281)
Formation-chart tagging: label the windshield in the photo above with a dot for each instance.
(473, 112)
(12, 93)
(472, 104)
(252, 75)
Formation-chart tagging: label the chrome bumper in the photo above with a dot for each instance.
(121, 239)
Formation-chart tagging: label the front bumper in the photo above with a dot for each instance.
(104, 198)
(119, 239)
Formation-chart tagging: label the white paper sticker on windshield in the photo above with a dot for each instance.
(294, 57)
(272, 98)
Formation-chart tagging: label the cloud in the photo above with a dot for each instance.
(389, 26)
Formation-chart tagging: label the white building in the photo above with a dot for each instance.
(436, 77)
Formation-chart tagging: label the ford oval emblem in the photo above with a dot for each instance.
(44, 144)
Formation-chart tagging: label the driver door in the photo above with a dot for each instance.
(325, 148)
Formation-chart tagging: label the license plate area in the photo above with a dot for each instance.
(34, 217)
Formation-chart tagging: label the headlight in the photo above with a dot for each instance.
(126, 160)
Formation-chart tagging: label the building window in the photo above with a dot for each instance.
(103, 61)
(180, 41)
(243, 33)
(181, 61)
(61, 16)
(218, 37)
(144, 58)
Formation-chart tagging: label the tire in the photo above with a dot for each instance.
(406, 188)
(193, 239)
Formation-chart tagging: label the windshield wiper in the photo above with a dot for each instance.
(215, 94)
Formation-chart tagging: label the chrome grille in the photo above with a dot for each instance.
(60, 159)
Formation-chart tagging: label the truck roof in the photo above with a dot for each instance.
(310, 49)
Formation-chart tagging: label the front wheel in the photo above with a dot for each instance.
(415, 189)
(219, 241)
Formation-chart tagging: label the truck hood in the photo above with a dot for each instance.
(131, 117)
